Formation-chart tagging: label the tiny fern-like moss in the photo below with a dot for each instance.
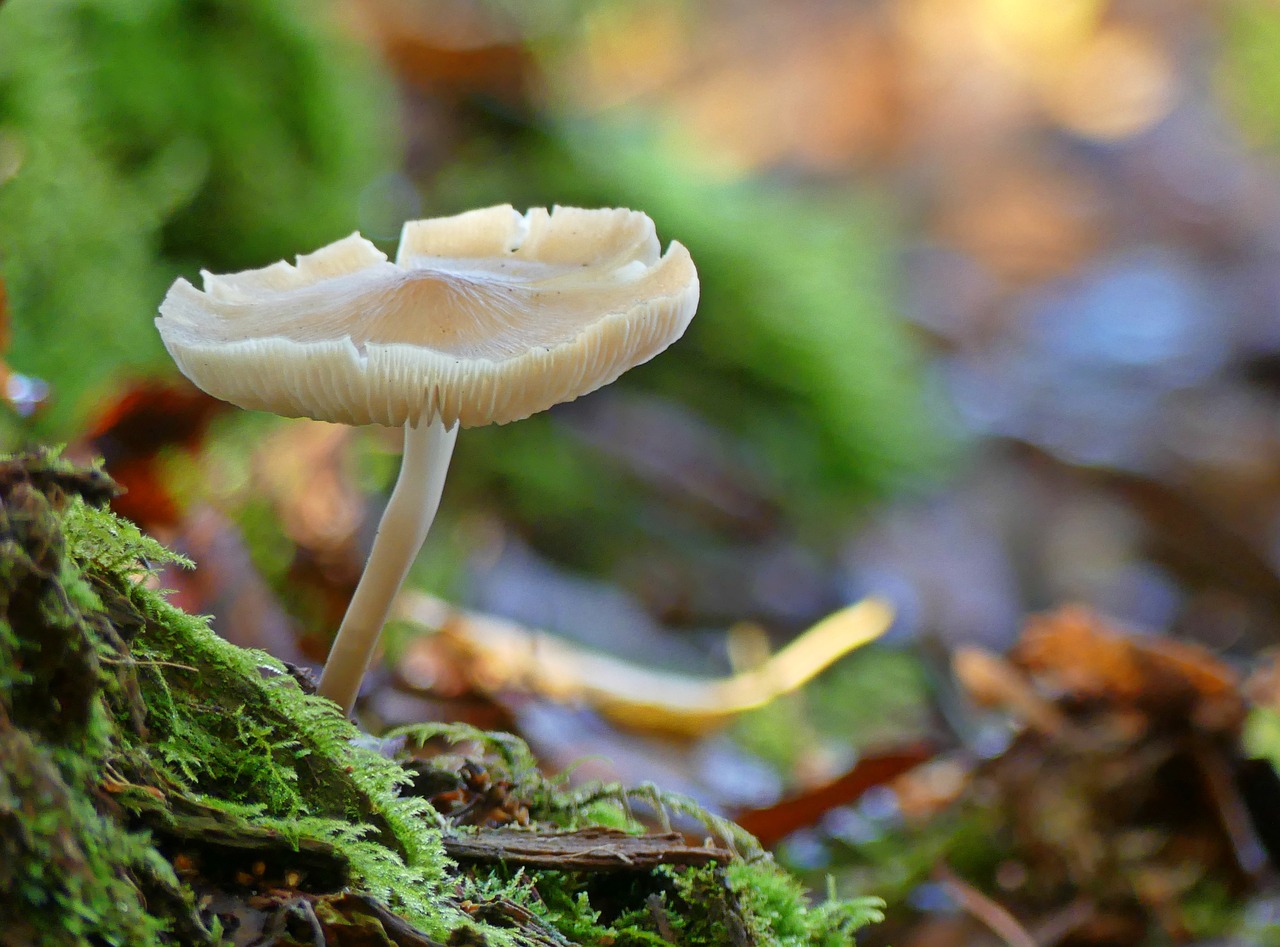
(106, 543)
(159, 723)
(239, 731)
(284, 774)
(777, 903)
(513, 752)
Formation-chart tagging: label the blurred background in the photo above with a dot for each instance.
(990, 327)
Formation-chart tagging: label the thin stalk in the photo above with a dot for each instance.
(405, 522)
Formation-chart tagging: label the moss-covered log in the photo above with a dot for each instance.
(160, 786)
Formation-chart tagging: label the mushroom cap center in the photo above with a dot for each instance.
(467, 308)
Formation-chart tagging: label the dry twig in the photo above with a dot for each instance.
(593, 849)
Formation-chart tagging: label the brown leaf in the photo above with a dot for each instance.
(1080, 655)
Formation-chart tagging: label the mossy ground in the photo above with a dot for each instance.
(161, 786)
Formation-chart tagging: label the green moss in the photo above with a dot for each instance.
(60, 859)
(136, 138)
(776, 905)
(746, 902)
(67, 870)
(796, 353)
(130, 735)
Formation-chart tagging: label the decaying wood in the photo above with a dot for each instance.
(728, 910)
(218, 847)
(344, 919)
(594, 849)
(396, 929)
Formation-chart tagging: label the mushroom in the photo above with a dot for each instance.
(485, 317)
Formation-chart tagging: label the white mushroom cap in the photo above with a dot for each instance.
(486, 317)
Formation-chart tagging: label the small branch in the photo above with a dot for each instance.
(729, 910)
(1001, 923)
(586, 850)
(398, 931)
(658, 911)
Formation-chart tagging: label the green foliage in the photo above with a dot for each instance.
(65, 872)
(795, 313)
(878, 696)
(69, 874)
(513, 753)
(701, 906)
(1261, 737)
(795, 350)
(230, 729)
(777, 903)
(1213, 913)
(106, 543)
(114, 691)
(248, 739)
(698, 906)
(137, 139)
(1249, 71)
(697, 903)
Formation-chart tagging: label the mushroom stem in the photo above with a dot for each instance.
(405, 522)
